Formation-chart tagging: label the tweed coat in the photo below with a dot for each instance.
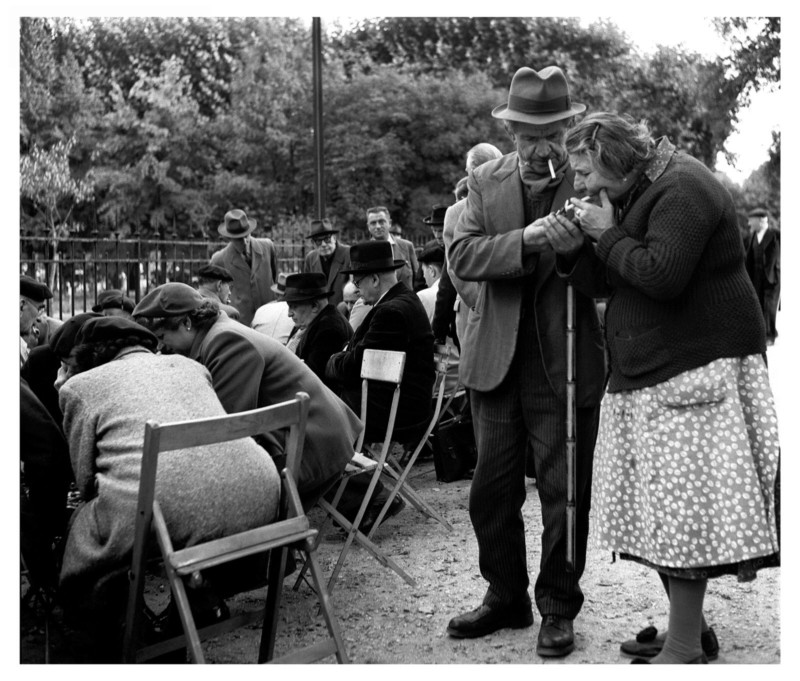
(205, 492)
(251, 286)
(327, 333)
(340, 260)
(398, 321)
(250, 370)
(487, 247)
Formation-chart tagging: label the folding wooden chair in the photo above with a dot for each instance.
(291, 529)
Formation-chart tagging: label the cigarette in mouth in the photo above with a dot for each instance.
(550, 165)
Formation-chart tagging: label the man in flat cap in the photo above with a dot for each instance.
(763, 263)
(113, 303)
(329, 257)
(214, 283)
(253, 264)
(513, 360)
(32, 297)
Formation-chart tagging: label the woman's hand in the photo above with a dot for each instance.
(564, 236)
(594, 220)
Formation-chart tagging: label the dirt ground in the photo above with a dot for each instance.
(386, 621)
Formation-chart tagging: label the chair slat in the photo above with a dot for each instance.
(383, 365)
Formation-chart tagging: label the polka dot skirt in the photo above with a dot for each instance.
(685, 470)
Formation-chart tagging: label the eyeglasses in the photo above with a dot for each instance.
(317, 240)
(358, 281)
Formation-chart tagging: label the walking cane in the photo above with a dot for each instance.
(570, 428)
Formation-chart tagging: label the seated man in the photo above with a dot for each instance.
(349, 298)
(272, 319)
(113, 303)
(325, 331)
(214, 283)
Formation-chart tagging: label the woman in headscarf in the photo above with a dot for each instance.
(109, 386)
(687, 456)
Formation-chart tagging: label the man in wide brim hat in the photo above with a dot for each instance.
(437, 216)
(367, 257)
(538, 98)
(320, 228)
(236, 225)
(302, 288)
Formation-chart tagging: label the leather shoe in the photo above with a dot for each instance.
(487, 619)
(371, 514)
(556, 638)
(647, 644)
(700, 659)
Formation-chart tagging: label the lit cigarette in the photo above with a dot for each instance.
(550, 165)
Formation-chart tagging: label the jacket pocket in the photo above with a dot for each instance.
(640, 353)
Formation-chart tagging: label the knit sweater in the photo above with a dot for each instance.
(674, 268)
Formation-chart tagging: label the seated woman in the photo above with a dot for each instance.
(109, 387)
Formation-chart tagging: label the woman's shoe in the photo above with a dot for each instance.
(700, 659)
(647, 645)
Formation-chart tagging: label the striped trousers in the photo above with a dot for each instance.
(524, 411)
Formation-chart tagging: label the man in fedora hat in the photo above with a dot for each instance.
(763, 262)
(329, 257)
(397, 321)
(379, 225)
(325, 330)
(214, 283)
(253, 264)
(273, 319)
(513, 360)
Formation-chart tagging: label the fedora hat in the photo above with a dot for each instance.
(538, 98)
(279, 286)
(372, 256)
(321, 228)
(237, 225)
(758, 213)
(437, 216)
(305, 286)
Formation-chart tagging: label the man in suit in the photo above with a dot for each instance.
(379, 225)
(513, 360)
(763, 262)
(325, 330)
(214, 283)
(253, 264)
(329, 257)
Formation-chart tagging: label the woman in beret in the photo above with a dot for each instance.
(110, 385)
(687, 454)
(251, 370)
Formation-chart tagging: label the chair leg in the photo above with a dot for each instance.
(408, 492)
(277, 566)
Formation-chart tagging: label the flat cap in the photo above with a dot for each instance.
(102, 329)
(168, 300)
(432, 253)
(63, 339)
(35, 290)
(214, 272)
(113, 298)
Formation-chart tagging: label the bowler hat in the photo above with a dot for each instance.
(103, 329)
(237, 225)
(35, 290)
(436, 218)
(306, 286)
(433, 253)
(372, 256)
(280, 284)
(214, 272)
(758, 213)
(112, 298)
(321, 228)
(169, 300)
(63, 339)
(538, 98)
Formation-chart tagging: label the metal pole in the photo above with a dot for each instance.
(316, 39)
(571, 414)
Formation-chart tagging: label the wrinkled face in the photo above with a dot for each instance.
(302, 314)
(325, 244)
(536, 144)
(589, 180)
(176, 341)
(378, 225)
(368, 287)
(438, 234)
(29, 312)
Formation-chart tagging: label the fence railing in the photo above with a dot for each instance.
(76, 270)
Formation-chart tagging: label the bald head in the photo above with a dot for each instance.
(480, 154)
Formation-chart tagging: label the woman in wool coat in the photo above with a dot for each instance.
(109, 387)
(687, 458)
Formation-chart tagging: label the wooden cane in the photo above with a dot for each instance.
(571, 414)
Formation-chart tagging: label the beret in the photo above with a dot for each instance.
(102, 329)
(214, 272)
(35, 290)
(63, 339)
(169, 300)
(432, 253)
(113, 298)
